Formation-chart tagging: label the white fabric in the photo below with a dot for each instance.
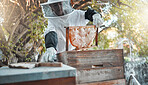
(57, 24)
(48, 12)
(49, 55)
(97, 20)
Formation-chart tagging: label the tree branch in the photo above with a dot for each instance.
(120, 3)
(118, 7)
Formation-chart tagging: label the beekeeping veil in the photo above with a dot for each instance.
(54, 8)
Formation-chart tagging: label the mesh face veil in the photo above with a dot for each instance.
(54, 8)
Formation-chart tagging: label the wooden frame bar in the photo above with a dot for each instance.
(67, 38)
(90, 26)
(97, 37)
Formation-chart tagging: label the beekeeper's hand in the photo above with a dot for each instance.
(97, 20)
(49, 55)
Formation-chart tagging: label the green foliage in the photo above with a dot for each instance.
(131, 24)
(37, 28)
(104, 42)
(22, 33)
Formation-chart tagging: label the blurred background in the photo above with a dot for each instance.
(22, 26)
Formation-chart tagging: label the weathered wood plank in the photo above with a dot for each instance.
(111, 82)
(27, 65)
(112, 57)
(95, 60)
(98, 65)
(49, 64)
(99, 74)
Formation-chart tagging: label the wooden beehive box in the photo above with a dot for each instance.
(96, 65)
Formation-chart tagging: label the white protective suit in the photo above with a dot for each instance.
(56, 23)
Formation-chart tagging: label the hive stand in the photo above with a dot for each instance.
(95, 67)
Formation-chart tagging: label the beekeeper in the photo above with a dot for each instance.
(60, 14)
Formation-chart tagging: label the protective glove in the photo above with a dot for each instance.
(97, 20)
(49, 55)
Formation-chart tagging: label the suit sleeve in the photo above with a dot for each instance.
(51, 39)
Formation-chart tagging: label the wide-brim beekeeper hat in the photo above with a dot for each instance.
(47, 11)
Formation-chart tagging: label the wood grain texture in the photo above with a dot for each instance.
(107, 58)
(99, 74)
(49, 64)
(58, 81)
(95, 65)
(90, 26)
(111, 82)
